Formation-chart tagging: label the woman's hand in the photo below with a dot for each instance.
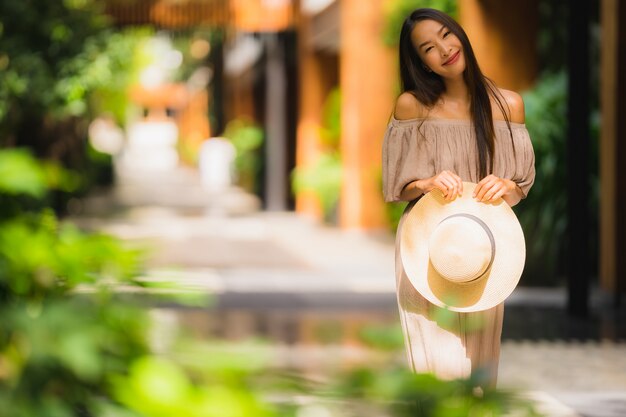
(448, 182)
(491, 188)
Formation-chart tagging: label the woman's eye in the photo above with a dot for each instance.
(429, 48)
(446, 34)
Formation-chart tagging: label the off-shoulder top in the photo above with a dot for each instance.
(421, 148)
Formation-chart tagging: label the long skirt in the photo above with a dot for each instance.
(448, 344)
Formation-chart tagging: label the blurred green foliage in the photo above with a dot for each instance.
(116, 59)
(202, 49)
(186, 41)
(24, 181)
(21, 174)
(43, 46)
(69, 346)
(399, 392)
(330, 131)
(553, 36)
(380, 337)
(247, 138)
(159, 388)
(323, 178)
(202, 379)
(58, 343)
(56, 54)
(394, 212)
(543, 213)
(62, 63)
(396, 11)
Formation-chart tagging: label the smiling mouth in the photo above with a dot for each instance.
(452, 58)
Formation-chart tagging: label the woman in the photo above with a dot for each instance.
(451, 124)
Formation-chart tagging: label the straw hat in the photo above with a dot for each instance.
(463, 254)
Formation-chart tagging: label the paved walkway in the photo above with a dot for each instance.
(267, 267)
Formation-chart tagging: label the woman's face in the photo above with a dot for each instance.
(438, 48)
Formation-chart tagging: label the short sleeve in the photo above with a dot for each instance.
(406, 158)
(524, 161)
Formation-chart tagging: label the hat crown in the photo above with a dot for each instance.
(461, 248)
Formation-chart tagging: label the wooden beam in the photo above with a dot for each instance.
(613, 148)
(608, 147)
(620, 139)
(168, 14)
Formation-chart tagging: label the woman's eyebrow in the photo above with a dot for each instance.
(438, 32)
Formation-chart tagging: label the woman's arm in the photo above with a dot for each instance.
(413, 190)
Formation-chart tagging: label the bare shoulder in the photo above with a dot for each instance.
(408, 107)
(515, 103)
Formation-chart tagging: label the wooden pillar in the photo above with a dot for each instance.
(578, 221)
(276, 181)
(218, 121)
(367, 71)
(316, 80)
(613, 147)
(240, 103)
(193, 123)
(503, 37)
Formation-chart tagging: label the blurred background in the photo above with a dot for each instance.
(193, 223)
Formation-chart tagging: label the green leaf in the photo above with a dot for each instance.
(20, 173)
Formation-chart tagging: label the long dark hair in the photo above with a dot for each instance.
(427, 86)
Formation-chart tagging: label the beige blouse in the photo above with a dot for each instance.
(421, 148)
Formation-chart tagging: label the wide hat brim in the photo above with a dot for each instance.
(496, 284)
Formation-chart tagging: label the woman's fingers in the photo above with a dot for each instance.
(447, 187)
(492, 192)
(480, 185)
(450, 184)
(484, 188)
(489, 189)
(458, 183)
(498, 194)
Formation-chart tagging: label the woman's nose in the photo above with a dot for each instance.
(444, 49)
